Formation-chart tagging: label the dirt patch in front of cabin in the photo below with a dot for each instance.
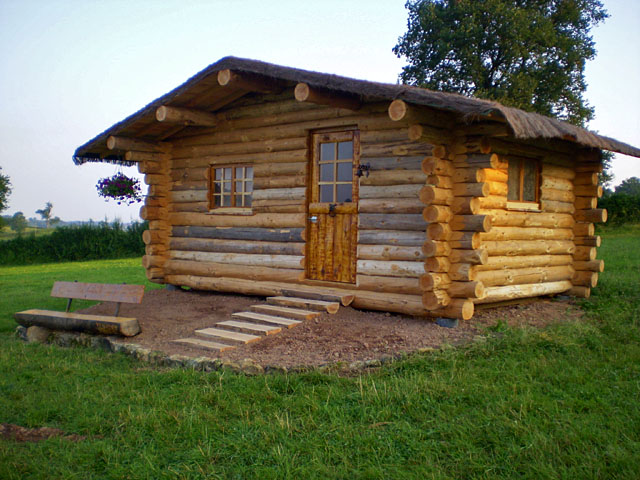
(348, 336)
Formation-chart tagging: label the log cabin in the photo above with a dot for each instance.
(263, 177)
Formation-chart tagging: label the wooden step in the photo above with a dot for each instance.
(296, 313)
(250, 328)
(345, 299)
(331, 307)
(269, 319)
(197, 342)
(229, 336)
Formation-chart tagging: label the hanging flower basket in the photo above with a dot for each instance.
(121, 188)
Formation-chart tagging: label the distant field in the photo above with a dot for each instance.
(7, 234)
(555, 403)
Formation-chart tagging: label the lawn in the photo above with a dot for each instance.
(557, 403)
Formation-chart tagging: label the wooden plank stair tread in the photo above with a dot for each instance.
(296, 313)
(209, 345)
(102, 324)
(331, 307)
(345, 299)
(279, 321)
(235, 337)
(247, 327)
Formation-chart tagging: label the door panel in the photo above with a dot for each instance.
(333, 207)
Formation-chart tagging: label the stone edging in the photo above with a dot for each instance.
(205, 364)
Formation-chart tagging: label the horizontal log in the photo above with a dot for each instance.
(494, 175)
(526, 233)
(155, 249)
(391, 205)
(473, 289)
(236, 246)
(590, 265)
(525, 261)
(391, 237)
(471, 223)
(238, 233)
(465, 240)
(152, 213)
(95, 324)
(257, 147)
(474, 257)
(580, 292)
(290, 208)
(135, 156)
(425, 133)
(202, 161)
(279, 169)
(584, 229)
(520, 276)
(585, 254)
(588, 190)
(596, 215)
(151, 261)
(305, 93)
(157, 179)
(375, 221)
(394, 163)
(466, 205)
(438, 231)
(556, 183)
(394, 177)
(501, 218)
(276, 261)
(155, 275)
(185, 116)
(377, 283)
(529, 247)
(150, 167)
(248, 81)
(550, 170)
(389, 252)
(469, 175)
(189, 196)
(213, 269)
(471, 189)
(492, 202)
(395, 191)
(594, 241)
(260, 220)
(557, 195)
(586, 203)
(458, 308)
(586, 179)
(462, 272)
(154, 236)
(433, 248)
(511, 292)
(434, 281)
(390, 268)
(288, 181)
(437, 264)
(437, 196)
(394, 135)
(435, 299)
(126, 143)
(437, 214)
(550, 206)
(479, 160)
(585, 279)
(437, 166)
(440, 181)
(401, 148)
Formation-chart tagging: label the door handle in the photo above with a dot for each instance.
(313, 219)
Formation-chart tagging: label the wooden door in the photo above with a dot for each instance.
(332, 223)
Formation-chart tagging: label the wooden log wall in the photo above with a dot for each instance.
(260, 250)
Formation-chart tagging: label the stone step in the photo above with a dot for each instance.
(321, 305)
(296, 313)
(343, 298)
(269, 319)
(250, 328)
(208, 345)
(227, 335)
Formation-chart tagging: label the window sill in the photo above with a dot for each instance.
(231, 211)
(524, 206)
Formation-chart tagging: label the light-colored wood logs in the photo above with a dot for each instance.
(391, 205)
(521, 276)
(185, 116)
(585, 254)
(433, 248)
(437, 196)
(437, 166)
(236, 246)
(525, 261)
(585, 279)
(435, 299)
(394, 177)
(391, 268)
(457, 308)
(434, 281)
(213, 269)
(473, 289)
(437, 264)
(588, 190)
(437, 214)
(471, 223)
(305, 93)
(500, 218)
(126, 143)
(438, 231)
(594, 241)
(529, 247)
(462, 272)
(526, 233)
(511, 292)
(376, 283)
(589, 265)
(404, 221)
(260, 260)
(395, 191)
(389, 252)
(596, 215)
(391, 237)
(474, 257)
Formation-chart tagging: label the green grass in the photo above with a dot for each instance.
(557, 403)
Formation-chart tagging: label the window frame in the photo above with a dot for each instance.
(520, 204)
(233, 208)
(335, 136)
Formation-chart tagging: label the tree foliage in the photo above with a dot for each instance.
(5, 191)
(45, 212)
(528, 54)
(18, 223)
(629, 186)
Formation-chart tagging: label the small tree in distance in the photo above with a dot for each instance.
(45, 213)
(18, 223)
(5, 191)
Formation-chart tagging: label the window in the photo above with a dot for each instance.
(523, 182)
(231, 186)
(335, 171)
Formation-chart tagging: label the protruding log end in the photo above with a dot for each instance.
(580, 292)
(302, 92)
(398, 110)
(225, 77)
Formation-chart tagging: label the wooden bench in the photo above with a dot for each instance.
(101, 324)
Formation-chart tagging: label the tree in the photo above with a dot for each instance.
(18, 223)
(5, 191)
(629, 186)
(45, 212)
(528, 54)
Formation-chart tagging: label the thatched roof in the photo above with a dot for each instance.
(203, 86)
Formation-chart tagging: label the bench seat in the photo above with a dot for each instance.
(101, 324)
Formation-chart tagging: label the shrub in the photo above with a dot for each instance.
(621, 208)
(70, 243)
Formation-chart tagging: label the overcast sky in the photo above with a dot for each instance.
(71, 69)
